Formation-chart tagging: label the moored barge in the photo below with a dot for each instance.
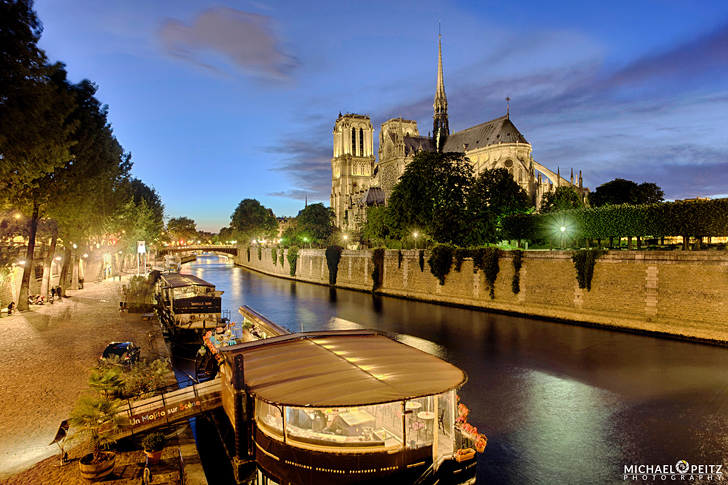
(186, 302)
(341, 407)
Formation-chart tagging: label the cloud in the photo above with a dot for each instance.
(224, 35)
(308, 165)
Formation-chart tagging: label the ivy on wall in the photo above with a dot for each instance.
(292, 259)
(333, 256)
(274, 256)
(486, 259)
(460, 255)
(440, 261)
(378, 271)
(517, 262)
(248, 250)
(283, 259)
(422, 260)
(260, 253)
(400, 257)
(584, 262)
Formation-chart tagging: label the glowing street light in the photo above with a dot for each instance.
(415, 234)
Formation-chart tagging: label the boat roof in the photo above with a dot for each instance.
(177, 280)
(340, 369)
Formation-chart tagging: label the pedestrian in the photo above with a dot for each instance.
(53, 293)
(80, 283)
(122, 303)
(11, 308)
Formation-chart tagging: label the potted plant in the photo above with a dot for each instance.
(464, 454)
(153, 444)
(96, 419)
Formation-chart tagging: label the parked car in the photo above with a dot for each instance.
(127, 352)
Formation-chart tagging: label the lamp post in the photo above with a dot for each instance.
(415, 234)
(563, 233)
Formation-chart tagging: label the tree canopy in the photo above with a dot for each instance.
(431, 197)
(182, 229)
(621, 191)
(563, 198)
(316, 222)
(251, 220)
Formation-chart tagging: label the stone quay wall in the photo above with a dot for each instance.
(675, 293)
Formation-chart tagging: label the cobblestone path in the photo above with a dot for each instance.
(46, 356)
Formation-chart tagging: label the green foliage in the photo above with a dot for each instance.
(584, 262)
(460, 255)
(145, 377)
(563, 198)
(486, 259)
(431, 195)
(108, 381)
(182, 229)
(517, 262)
(333, 255)
(620, 191)
(494, 195)
(274, 256)
(292, 259)
(247, 250)
(440, 261)
(378, 271)
(139, 293)
(260, 252)
(422, 260)
(376, 229)
(400, 257)
(251, 220)
(96, 419)
(283, 259)
(154, 442)
(681, 218)
(316, 222)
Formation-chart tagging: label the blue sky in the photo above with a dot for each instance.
(218, 102)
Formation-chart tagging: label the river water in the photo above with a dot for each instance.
(560, 404)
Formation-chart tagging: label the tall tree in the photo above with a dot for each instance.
(621, 191)
(493, 196)
(431, 197)
(316, 222)
(562, 198)
(182, 229)
(251, 220)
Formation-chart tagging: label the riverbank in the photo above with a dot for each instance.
(675, 294)
(45, 364)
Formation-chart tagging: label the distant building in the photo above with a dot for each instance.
(283, 224)
(358, 182)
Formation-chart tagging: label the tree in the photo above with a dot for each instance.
(562, 198)
(621, 191)
(182, 229)
(251, 220)
(494, 196)
(375, 229)
(316, 222)
(431, 197)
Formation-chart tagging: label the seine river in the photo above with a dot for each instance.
(560, 404)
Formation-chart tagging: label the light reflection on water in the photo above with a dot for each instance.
(559, 403)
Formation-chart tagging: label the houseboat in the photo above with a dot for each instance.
(187, 303)
(340, 407)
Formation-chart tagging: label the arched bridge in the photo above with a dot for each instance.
(201, 248)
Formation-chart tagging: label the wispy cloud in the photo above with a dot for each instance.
(220, 36)
(308, 165)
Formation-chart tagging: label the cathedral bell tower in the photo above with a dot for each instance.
(441, 127)
(351, 166)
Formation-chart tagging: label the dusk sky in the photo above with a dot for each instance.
(219, 102)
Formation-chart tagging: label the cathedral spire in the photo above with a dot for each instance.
(441, 127)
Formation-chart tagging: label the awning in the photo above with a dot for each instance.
(340, 369)
(176, 280)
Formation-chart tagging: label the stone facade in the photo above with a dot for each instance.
(676, 293)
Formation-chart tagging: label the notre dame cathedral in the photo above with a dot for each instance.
(358, 181)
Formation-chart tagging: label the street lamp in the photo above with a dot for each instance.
(415, 234)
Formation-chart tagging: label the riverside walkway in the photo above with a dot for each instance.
(45, 362)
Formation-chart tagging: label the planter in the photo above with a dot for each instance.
(480, 446)
(153, 457)
(465, 455)
(97, 471)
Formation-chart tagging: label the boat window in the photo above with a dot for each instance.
(354, 428)
(269, 417)
(420, 421)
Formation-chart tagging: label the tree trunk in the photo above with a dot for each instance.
(686, 243)
(28, 268)
(639, 242)
(611, 242)
(48, 267)
(74, 271)
(63, 280)
(629, 243)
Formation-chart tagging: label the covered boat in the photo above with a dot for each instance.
(186, 302)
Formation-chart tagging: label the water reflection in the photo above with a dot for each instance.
(559, 403)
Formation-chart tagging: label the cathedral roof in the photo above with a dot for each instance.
(499, 130)
(414, 144)
(373, 196)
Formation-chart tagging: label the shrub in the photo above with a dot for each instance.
(274, 256)
(283, 258)
(378, 271)
(440, 261)
(292, 259)
(460, 255)
(333, 255)
(144, 377)
(517, 262)
(154, 442)
(584, 262)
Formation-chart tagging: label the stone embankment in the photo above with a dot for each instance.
(675, 293)
(47, 354)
